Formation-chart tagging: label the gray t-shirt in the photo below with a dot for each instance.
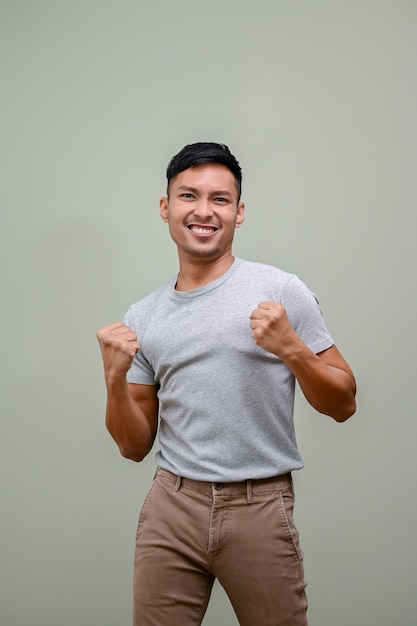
(226, 404)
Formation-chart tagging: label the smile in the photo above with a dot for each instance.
(202, 230)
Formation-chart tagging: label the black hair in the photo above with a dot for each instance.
(196, 154)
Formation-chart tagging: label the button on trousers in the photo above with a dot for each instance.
(192, 532)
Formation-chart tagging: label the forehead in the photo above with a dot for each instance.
(207, 177)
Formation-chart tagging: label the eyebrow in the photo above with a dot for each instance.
(218, 192)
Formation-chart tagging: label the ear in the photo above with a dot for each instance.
(163, 208)
(240, 214)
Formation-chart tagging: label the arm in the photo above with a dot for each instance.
(326, 379)
(132, 410)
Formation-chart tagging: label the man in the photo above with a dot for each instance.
(211, 359)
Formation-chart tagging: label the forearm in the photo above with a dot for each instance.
(127, 422)
(328, 387)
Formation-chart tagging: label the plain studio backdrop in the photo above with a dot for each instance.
(318, 101)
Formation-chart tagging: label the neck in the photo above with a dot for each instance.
(194, 275)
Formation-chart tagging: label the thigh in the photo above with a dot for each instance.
(171, 582)
(262, 568)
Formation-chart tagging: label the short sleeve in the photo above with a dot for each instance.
(140, 372)
(305, 315)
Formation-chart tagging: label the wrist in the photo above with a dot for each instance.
(115, 380)
(293, 349)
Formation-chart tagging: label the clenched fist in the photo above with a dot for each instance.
(271, 328)
(118, 345)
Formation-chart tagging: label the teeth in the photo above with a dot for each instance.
(201, 230)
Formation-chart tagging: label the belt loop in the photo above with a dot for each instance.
(177, 483)
(249, 491)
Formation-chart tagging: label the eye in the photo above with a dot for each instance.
(187, 196)
(220, 199)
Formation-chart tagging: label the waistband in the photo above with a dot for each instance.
(248, 487)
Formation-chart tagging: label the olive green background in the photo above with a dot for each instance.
(318, 101)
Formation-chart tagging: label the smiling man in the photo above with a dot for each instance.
(202, 210)
(209, 362)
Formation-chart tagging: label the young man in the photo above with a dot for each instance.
(211, 359)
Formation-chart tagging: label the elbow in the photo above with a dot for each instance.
(133, 454)
(339, 409)
(131, 448)
(342, 417)
(346, 407)
(344, 413)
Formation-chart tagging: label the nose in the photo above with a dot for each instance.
(203, 209)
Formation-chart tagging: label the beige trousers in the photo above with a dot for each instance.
(191, 532)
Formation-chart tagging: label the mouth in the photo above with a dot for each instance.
(202, 230)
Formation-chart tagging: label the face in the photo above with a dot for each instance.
(202, 211)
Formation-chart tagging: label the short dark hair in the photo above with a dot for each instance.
(196, 154)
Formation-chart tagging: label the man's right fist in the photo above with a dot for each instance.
(118, 345)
